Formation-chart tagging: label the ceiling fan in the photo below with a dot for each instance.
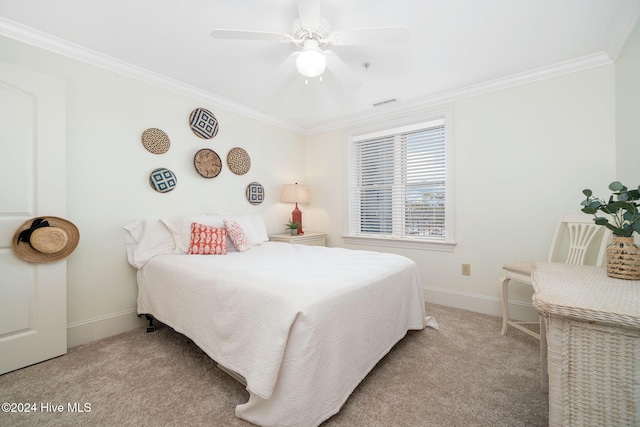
(313, 34)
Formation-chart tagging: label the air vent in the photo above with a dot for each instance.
(384, 102)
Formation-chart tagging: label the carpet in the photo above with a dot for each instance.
(465, 374)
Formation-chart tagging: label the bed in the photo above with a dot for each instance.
(300, 326)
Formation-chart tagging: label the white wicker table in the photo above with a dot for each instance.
(593, 344)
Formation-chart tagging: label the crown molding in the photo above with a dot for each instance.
(436, 100)
(46, 41)
(629, 15)
(57, 45)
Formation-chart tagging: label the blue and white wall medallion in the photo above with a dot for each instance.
(163, 180)
(255, 193)
(203, 123)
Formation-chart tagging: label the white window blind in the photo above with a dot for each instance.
(397, 183)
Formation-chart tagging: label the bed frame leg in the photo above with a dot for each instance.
(151, 327)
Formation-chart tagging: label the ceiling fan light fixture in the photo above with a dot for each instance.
(311, 62)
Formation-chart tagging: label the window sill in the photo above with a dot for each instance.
(432, 245)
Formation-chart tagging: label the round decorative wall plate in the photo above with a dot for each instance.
(238, 161)
(203, 123)
(207, 163)
(255, 193)
(155, 141)
(163, 180)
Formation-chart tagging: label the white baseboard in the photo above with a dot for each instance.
(480, 304)
(85, 331)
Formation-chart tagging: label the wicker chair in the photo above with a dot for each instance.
(574, 235)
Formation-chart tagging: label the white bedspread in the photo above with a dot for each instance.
(302, 324)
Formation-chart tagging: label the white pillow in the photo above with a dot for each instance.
(180, 227)
(145, 239)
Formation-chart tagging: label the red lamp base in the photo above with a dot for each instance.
(296, 216)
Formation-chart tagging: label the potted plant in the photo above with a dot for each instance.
(623, 219)
(292, 227)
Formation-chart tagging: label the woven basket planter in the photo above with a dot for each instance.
(623, 259)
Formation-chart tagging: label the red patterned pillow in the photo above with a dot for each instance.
(207, 240)
(237, 236)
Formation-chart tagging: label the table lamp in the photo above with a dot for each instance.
(294, 193)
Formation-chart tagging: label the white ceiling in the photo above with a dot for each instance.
(457, 48)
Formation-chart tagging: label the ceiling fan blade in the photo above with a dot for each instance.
(220, 33)
(370, 36)
(309, 12)
(342, 70)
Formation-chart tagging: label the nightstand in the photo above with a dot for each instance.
(308, 238)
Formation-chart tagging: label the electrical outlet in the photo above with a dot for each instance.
(466, 269)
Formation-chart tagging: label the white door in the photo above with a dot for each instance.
(33, 297)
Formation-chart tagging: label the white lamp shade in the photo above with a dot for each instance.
(311, 62)
(294, 193)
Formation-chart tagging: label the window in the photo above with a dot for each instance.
(400, 186)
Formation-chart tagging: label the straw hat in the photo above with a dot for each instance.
(45, 239)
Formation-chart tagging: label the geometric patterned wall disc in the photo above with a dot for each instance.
(238, 161)
(155, 141)
(255, 193)
(163, 180)
(203, 123)
(207, 163)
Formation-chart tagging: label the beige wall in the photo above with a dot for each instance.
(108, 170)
(628, 111)
(522, 157)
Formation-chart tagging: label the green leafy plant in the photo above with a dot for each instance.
(622, 209)
(292, 225)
